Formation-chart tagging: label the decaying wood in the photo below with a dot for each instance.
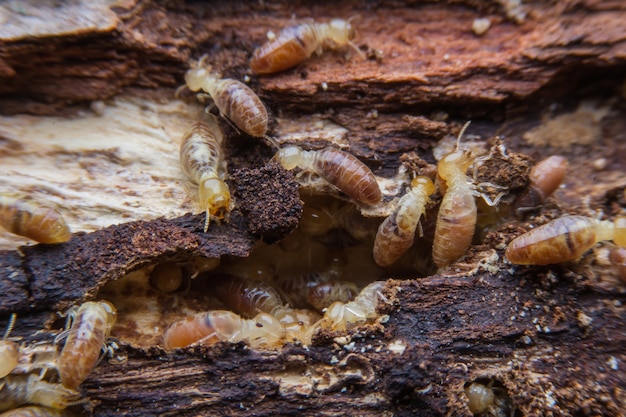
(551, 337)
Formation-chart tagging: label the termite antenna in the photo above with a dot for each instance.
(10, 326)
(463, 129)
(272, 142)
(356, 48)
(179, 90)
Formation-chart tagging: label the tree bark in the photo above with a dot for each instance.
(550, 340)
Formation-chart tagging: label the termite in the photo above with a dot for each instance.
(250, 297)
(17, 390)
(340, 316)
(91, 324)
(9, 351)
(296, 43)
(235, 100)
(564, 239)
(324, 294)
(316, 221)
(34, 411)
(456, 219)
(45, 225)
(396, 234)
(545, 177)
(210, 327)
(202, 159)
(339, 168)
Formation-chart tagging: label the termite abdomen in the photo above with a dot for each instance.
(90, 329)
(245, 296)
(44, 225)
(339, 168)
(563, 239)
(295, 43)
(323, 295)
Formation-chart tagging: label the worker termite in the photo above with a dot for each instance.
(545, 177)
(234, 99)
(339, 168)
(324, 294)
(456, 219)
(318, 220)
(396, 234)
(202, 159)
(564, 239)
(296, 43)
(34, 411)
(17, 390)
(340, 316)
(210, 327)
(45, 225)
(250, 297)
(91, 325)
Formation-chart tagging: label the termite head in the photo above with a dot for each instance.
(215, 197)
(424, 182)
(197, 75)
(340, 31)
(111, 313)
(289, 156)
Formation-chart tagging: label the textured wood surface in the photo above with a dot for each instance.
(551, 337)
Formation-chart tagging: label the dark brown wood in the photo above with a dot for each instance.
(552, 338)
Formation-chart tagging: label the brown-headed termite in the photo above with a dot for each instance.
(564, 239)
(202, 159)
(234, 99)
(339, 168)
(214, 326)
(456, 219)
(91, 324)
(296, 43)
(17, 390)
(396, 234)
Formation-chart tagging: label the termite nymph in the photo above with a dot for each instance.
(250, 297)
(396, 234)
(234, 99)
(564, 239)
(339, 168)
(90, 328)
(456, 219)
(202, 159)
(296, 43)
(324, 294)
(17, 390)
(44, 225)
(220, 325)
(9, 351)
(340, 316)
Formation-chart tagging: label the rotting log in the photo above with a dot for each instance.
(551, 337)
